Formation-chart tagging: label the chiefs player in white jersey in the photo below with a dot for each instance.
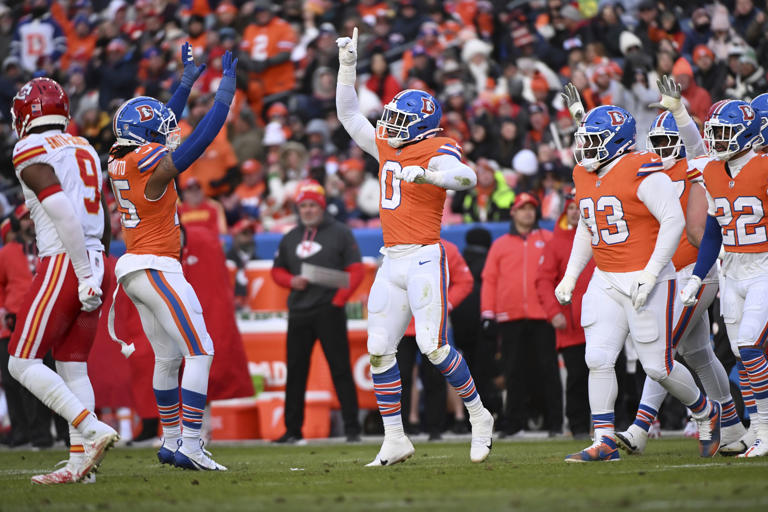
(61, 180)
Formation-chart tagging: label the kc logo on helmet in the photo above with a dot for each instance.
(145, 112)
(617, 118)
(427, 106)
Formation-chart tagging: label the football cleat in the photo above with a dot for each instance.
(758, 449)
(482, 437)
(604, 450)
(197, 460)
(709, 431)
(165, 454)
(96, 442)
(741, 445)
(731, 434)
(393, 450)
(632, 440)
(68, 474)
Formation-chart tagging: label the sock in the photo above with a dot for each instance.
(603, 389)
(75, 375)
(746, 392)
(456, 371)
(645, 416)
(388, 390)
(604, 425)
(192, 410)
(729, 416)
(124, 419)
(168, 408)
(757, 370)
(701, 407)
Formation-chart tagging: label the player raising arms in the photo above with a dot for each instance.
(60, 177)
(735, 181)
(144, 162)
(415, 168)
(631, 221)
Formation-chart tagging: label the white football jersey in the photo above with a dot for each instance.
(77, 167)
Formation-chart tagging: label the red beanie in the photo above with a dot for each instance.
(311, 191)
(5, 228)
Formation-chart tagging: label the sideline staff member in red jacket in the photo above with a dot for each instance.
(509, 298)
(567, 319)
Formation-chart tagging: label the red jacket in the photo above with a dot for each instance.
(551, 271)
(509, 289)
(460, 280)
(15, 277)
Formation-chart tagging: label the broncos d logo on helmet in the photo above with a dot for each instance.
(145, 112)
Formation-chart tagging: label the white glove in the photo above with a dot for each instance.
(670, 95)
(348, 49)
(89, 293)
(570, 96)
(641, 288)
(691, 290)
(564, 290)
(412, 174)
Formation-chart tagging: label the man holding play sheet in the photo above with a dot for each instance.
(320, 262)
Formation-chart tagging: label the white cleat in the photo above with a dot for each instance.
(482, 437)
(731, 434)
(96, 442)
(393, 450)
(632, 440)
(758, 449)
(741, 445)
(196, 459)
(68, 474)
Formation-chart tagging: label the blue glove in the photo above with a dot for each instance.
(191, 71)
(226, 91)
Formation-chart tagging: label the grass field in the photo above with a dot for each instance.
(517, 476)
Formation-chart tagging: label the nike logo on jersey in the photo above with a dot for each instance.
(423, 262)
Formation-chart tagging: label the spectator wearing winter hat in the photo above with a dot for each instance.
(723, 35)
(709, 74)
(752, 80)
(115, 75)
(317, 311)
(251, 191)
(698, 99)
(700, 33)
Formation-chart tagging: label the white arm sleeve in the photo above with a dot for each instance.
(658, 193)
(357, 126)
(581, 252)
(70, 231)
(689, 133)
(448, 172)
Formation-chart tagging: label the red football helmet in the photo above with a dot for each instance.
(39, 102)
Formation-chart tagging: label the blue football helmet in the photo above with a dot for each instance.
(760, 104)
(143, 120)
(733, 126)
(604, 133)
(664, 139)
(411, 115)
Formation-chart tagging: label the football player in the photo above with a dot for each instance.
(760, 104)
(631, 221)
(60, 177)
(735, 187)
(415, 168)
(691, 335)
(144, 162)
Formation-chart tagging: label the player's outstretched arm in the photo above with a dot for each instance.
(570, 97)
(206, 130)
(191, 73)
(671, 100)
(42, 180)
(444, 171)
(347, 110)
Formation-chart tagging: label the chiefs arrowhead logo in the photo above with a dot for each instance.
(308, 248)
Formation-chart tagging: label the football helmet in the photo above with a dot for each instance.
(760, 104)
(664, 139)
(411, 115)
(143, 120)
(732, 126)
(604, 133)
(40, 102)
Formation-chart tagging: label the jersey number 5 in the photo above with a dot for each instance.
(128, 216)
(390, 186)
(616, 230)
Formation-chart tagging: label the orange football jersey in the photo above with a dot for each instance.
(149, 227)
(623, 229)
(741, 203)
(264, 42)
(682, 176)
(411, 213)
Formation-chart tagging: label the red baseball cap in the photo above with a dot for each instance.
(525, 198)
(311, 191)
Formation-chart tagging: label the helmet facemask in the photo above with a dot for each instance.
(169, 128)
(393, 126)
(667, 145)
(724, 136)
(760, 141)
(591, 150)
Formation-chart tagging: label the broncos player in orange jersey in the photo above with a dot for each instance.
(415, 168)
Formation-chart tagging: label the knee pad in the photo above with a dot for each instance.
(382, 363)
(378, 297)
(438, 356)
(70, 370)
(378, 340)
(699, 358)
(166, 373)
(420, 293)
(17, 366)
(655, 372)
(598, 359)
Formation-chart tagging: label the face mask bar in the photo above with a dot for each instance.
(716, 133)
(588, 142)
(394, 124)
(665, 145)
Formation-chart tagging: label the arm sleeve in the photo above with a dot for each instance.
(59, 209)
(490, 281)
(356, 273)
(689, 133)
(357, 126)
(179, 100)
(658, 194)
(546, 280)
(196, 144)
(709, 248)
(281, 276)
(461, 281)
(448, 172)
(581, 252)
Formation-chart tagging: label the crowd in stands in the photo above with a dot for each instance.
(497, 68)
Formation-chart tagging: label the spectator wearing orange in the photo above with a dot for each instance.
(198, 210)
(197, 35)
(81, 42)
(515, 314)
(269, 42)
(250, 193)
(566, 320)
(361, 191)
(698, 99)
